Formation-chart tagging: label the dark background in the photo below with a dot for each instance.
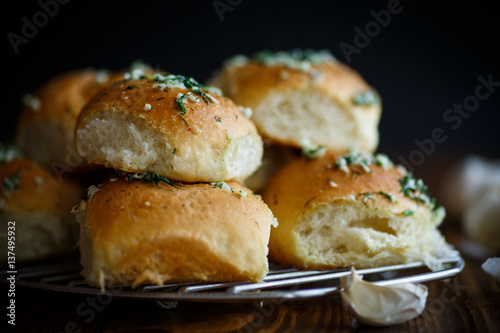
(426, 59)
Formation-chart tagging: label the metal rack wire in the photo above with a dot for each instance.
(280, 283)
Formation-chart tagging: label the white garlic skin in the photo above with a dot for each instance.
(382, 305)
(482, 219)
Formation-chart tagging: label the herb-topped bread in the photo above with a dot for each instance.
(170, 125)
(35, 210)
(303, 98)
(45, 129)
(146, 229)
(352, 210)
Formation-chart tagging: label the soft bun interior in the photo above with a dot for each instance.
(137, 147)
(291, 116)
(343, 233)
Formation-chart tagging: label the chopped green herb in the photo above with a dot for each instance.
(223, 186)
(9, 153)
(309, 201)
(185, 121)
(408, 212)
(312, 151)
(180, 103)
(383, 161)
(362, 159)
(369, 195)
(367, 98)
(11, 183)
(389, 196)
(415, 189)
(218, 119)
(296, 59)
(146, 176)
(182, 82)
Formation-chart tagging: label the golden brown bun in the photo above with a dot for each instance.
(40, 205)
(291, 106)
(275, 157)
(137, 127)
(328, 220)
(138, 232)
(46, 125)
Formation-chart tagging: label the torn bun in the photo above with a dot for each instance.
(352, 210)
(169, 125)
(304, 97)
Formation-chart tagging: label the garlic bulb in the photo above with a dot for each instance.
(381, 305)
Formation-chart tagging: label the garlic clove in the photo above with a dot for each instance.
(492, 267)
(381, 305)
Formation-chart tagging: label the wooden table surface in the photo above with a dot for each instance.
(469, 302)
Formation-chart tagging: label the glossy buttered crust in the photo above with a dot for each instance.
(139, 232)
(211, 141)
(326, 219)
(46, 125)
(254, 84)
(305, 184)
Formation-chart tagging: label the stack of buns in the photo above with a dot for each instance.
(182, 162)
(45, 167)
(337, 204)
(174, 210)
(43, 173)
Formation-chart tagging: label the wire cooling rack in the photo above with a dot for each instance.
(280, 283)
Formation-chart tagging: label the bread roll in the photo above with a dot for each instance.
(352, 210)
(38, 207)
(46, 126)
(304, 97)
(168, 125)
(136, 231)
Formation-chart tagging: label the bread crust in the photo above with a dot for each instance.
(40, 206)
(45, 128)
(304, 184)
(139, 232)
(196, 144)
(36, 189)
(254, 83)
